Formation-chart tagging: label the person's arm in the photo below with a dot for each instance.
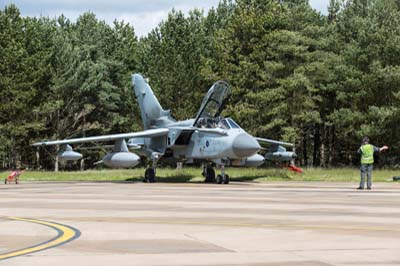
(383, 148)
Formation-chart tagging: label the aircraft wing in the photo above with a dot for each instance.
(273, 142)
(141, 134)
(98, 147)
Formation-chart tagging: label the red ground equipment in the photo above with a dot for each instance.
(295, 169)
(13, 177)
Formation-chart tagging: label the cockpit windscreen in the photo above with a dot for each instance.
(223, 124)
(232, 123)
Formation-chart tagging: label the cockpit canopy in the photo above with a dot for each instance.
(218, 122)
(214, 102)
(227, 123)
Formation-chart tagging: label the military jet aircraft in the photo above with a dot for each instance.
(209, 138)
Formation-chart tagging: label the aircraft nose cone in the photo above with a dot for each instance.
(245, 145)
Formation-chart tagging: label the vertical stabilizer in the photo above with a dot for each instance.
(150, 108)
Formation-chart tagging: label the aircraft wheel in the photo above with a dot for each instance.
(226, 179)
(5, 181)
(210, 175)
(146, 176)
(219, 179)
(150, 175)
(17, 181)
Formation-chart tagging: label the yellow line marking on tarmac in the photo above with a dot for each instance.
(65, 235)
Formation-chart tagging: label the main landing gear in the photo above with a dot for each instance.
(150, 173)
(209, 174)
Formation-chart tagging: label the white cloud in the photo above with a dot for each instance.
(143, 22)
(320, 5)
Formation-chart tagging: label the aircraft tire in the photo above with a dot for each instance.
(17, 181)
(5, 181)
(150, 175)
(219, 179)
(146, 176)
(210, 175)
(226, 179)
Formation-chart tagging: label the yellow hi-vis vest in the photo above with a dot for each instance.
(367, 154)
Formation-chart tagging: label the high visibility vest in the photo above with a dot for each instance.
(367, 154)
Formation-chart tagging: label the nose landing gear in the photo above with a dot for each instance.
(209, 174)
(223, 178)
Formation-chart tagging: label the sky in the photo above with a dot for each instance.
(144, 15)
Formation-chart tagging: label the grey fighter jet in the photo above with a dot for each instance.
(208, 138)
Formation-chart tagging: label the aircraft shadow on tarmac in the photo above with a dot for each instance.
(188, 178)
(185, 178)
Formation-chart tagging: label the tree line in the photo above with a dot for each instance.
(320, 81)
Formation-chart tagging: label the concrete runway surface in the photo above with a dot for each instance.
(271, 224)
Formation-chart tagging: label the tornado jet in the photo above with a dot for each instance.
(209, 138)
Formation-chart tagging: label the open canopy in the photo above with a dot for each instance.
(214, 102)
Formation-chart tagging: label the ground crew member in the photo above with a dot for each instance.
(367, 160)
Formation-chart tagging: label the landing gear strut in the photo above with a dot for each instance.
(150, 173)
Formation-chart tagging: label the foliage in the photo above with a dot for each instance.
(320, 81)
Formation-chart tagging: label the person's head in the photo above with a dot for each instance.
(365, 140)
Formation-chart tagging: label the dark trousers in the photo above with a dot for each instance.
(366, 169)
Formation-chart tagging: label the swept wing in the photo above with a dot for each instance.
(151, 133)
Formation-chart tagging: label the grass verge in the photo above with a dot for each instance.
(192, 174)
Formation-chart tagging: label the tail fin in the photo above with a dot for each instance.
(150, 108)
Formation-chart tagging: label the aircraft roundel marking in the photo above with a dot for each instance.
(207, 143)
